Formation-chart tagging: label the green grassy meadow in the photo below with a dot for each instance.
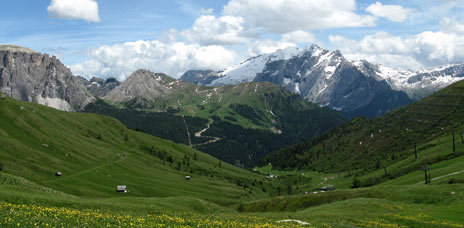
(96, 153)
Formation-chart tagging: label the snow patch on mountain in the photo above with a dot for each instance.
(247, 70)
(297, 88)
(287, 81)
(243, 72)
(284, 54)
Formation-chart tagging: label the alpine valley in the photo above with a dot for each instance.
(232, 114)
(238, 124)
(311, 166)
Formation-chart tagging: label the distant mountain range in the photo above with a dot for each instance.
(355, 88)
(238, 124)
(242, 115)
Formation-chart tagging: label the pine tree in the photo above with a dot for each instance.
(356, 183)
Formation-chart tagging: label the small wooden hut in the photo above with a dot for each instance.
(121, 188)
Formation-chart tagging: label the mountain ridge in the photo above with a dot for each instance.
(184, 110)
(198, 114)
(328, 79)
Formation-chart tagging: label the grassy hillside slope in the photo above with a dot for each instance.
(368, 145)
(95, 153)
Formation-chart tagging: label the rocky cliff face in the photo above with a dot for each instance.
(31, 76)
(199, 77)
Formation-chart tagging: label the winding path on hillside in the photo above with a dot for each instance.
(199, 135)
(213, 139)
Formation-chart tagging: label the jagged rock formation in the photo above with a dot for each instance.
(99, 87)
(31, 76)
(328, 79)
(416, 84)
(199, 77)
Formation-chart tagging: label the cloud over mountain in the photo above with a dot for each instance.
(174, 58)
(424, 50)
(209, 30)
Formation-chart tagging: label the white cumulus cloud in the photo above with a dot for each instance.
(394, 13)
(74, 9)
(283, 16)
(299, 37)
(209, 30)
(424, 50)
(452, 25)
(173, 58)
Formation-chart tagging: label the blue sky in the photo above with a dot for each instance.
(112, 38)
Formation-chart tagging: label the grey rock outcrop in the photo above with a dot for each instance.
(142, 85)
(199, 77)
(31, 76)
(99, 87)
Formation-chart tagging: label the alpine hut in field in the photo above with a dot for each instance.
(121, 189)
(187, 177)
(58, 174)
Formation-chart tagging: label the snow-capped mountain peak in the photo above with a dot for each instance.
(248, 69)
(415, 84)
(327, 78)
